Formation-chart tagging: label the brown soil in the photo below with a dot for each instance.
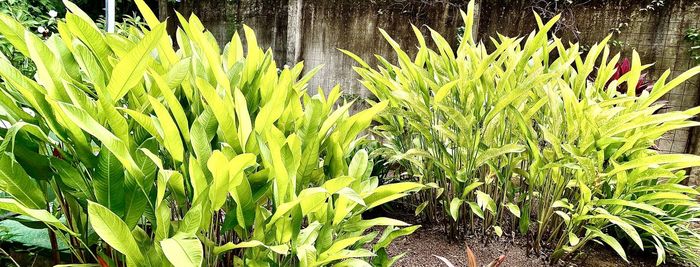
(422, 246)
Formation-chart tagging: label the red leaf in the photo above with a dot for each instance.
(102, 262)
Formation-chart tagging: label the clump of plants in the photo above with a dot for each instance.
(514, 137)
(136, 154)
(39, 16)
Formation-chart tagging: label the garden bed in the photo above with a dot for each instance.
(126, 150)
(428, 241)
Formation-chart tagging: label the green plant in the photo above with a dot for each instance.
(5, 234)
(692, 36)
(127, 23)
(644, 84)
(37, 16)
(188, 157)
(518, 138)
(445, 153)
(617, 44)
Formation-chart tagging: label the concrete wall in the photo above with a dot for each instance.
(320, 27)
(328, 25)
(312, 30)
(224, 17)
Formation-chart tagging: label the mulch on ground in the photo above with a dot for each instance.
(421, 246)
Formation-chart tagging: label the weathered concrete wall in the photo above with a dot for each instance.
(224, 17)
(312, 30)
(353, 26)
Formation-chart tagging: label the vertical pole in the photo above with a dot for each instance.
(294, 32)
(162, 10)
(109, 15)
(477, 18)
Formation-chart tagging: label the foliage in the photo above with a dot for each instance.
(643, 84)
(126, 24)
(36, 15)
(567, 10)
(197, 156)
(518, 138)
(14, 231)
(692, 36)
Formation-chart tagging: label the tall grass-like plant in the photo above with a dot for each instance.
(137, 154)
(530, 135)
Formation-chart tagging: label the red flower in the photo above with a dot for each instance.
(57, 154)
(643, 84)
